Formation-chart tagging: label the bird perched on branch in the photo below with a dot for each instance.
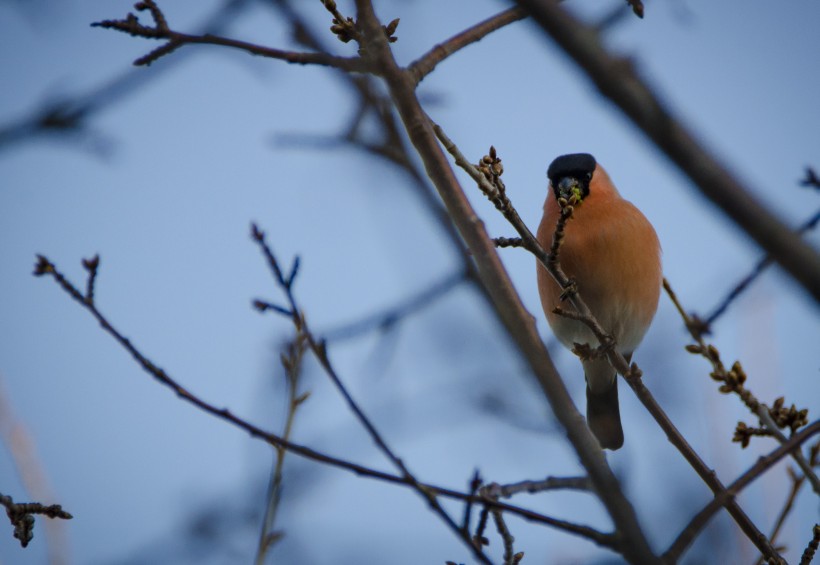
(612, 253)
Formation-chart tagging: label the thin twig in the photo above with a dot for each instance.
(479, 538)
(506, 536)
(389, 317)
(291, 361)
(425, 64)
(160, 30)
(532, 487)
(687, 536)
(475, 483)
(758, 269)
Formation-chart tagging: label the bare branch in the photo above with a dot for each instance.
(475, 483)
(479, 538)
(291, 360)
(389, 317)
(700, 520)
(758, 269)
(160, 30)
(425, 64)
(550, 483)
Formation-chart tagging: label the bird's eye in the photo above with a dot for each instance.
(589, 176)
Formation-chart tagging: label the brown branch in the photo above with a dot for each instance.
(44, 267)
(617, 79)
(506, 303)
(160, 30)
(21, 515)
(687, 536)
(425, 64)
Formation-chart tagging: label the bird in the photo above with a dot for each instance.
(613, 255)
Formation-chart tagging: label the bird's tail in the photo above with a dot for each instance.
(603, 413)
(604, 417)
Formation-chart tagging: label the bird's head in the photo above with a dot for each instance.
(571, 174)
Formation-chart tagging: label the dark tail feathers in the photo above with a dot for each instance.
(604, 417)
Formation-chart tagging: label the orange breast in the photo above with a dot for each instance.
(613, 253)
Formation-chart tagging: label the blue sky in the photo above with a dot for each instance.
(167, 179)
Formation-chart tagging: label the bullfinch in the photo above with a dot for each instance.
(613, 254)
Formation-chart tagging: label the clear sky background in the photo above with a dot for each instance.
(166, 178)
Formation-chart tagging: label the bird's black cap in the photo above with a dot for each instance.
(576, 165)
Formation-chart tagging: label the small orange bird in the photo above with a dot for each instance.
(612, 252)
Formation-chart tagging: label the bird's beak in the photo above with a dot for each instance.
(567, 186)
